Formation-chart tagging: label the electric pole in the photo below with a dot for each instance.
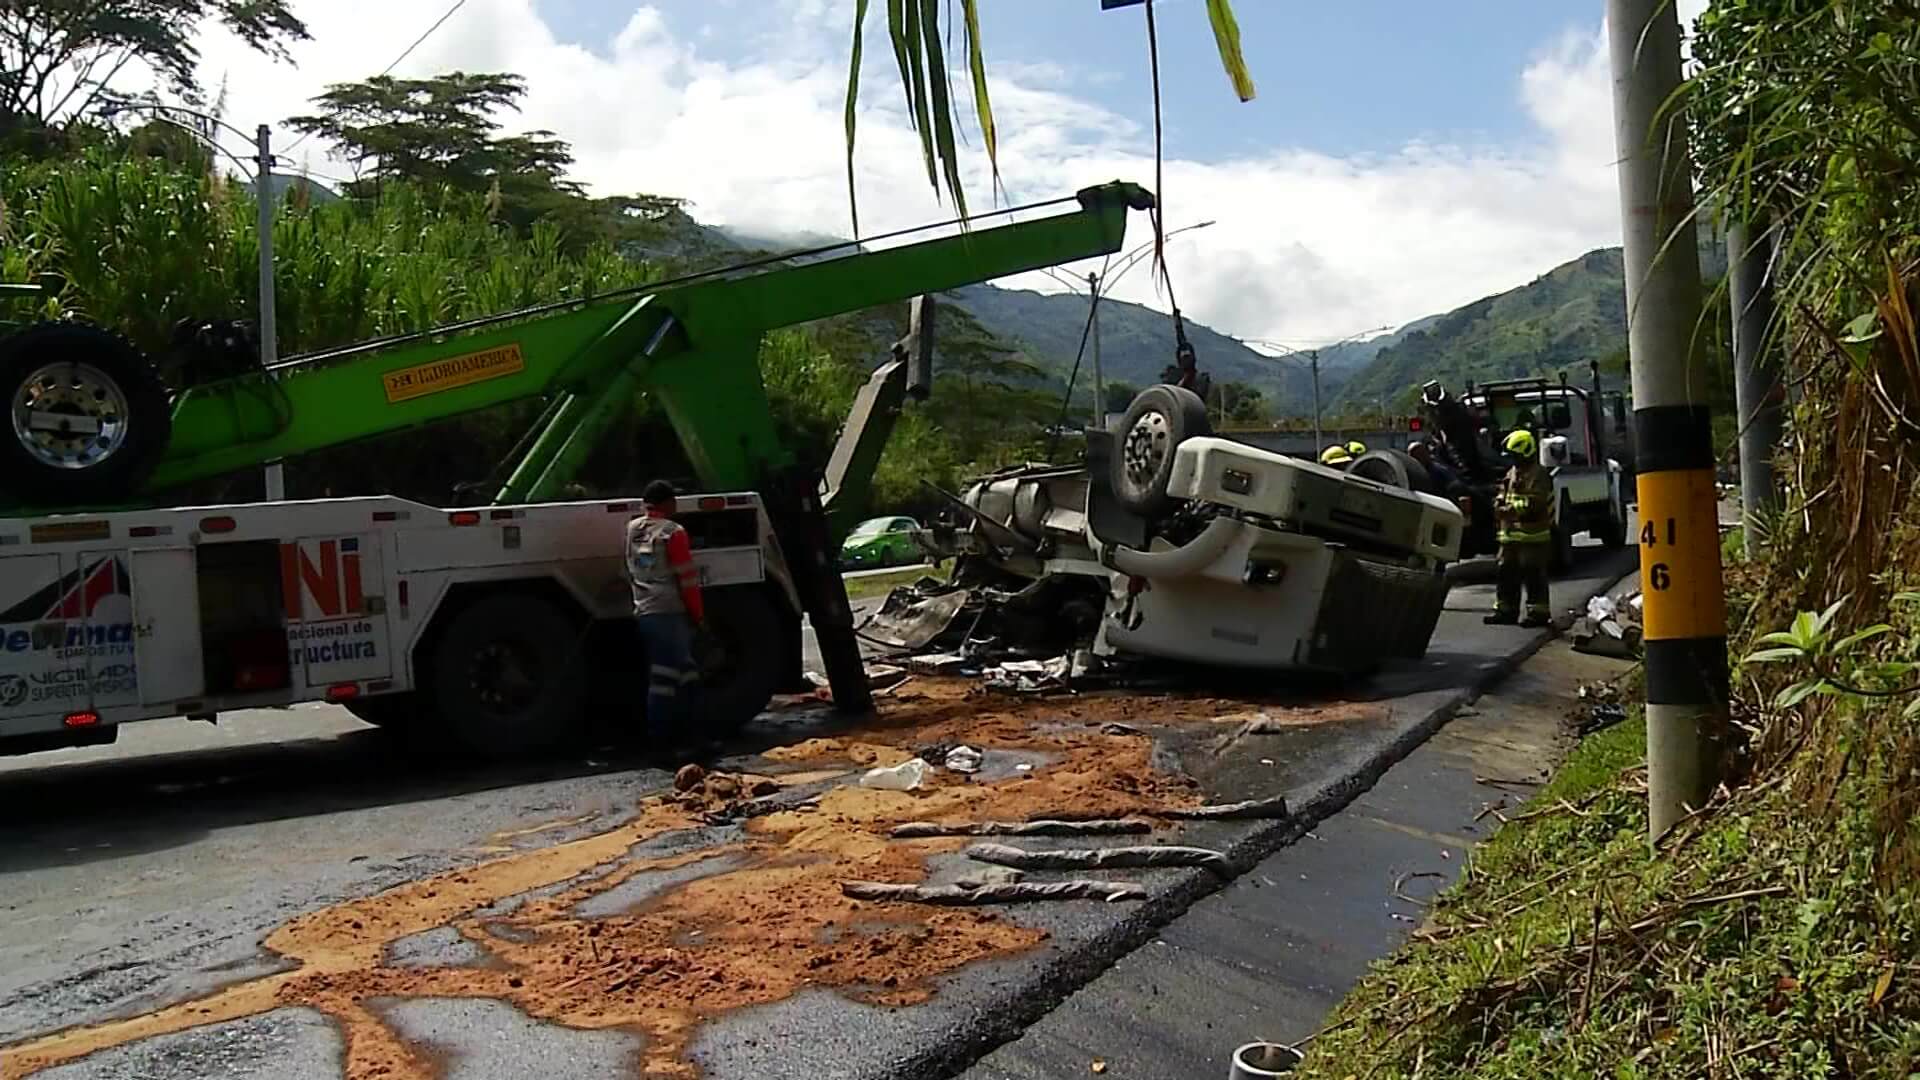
(1313, 361)
(1685, 606)
(1756, 374)
(276, 483)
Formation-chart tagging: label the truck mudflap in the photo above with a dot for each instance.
(1372, 610)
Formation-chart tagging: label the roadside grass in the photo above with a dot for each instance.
(861, 588)
(1757, 943)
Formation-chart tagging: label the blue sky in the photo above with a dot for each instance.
(1352, 77)
(1403, 157)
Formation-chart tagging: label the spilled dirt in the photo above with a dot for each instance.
(766, 922)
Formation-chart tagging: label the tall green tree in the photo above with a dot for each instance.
(58, 56)
(438, 130)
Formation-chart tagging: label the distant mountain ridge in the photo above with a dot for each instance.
(1574, 313)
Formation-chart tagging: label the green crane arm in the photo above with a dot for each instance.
(694, 347)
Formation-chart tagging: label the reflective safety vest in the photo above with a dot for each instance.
(1524, 507)
(651, 565)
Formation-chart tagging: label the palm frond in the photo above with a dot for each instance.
(913, 26)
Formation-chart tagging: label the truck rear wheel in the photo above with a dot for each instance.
(1394, 468)
(508, 677)
(390, 711)
(87, 415)
(739, 659)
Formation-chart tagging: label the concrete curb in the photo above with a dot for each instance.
(1074, 968)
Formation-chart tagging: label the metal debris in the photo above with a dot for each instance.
(1010, 893)
(914, 830)
(1102, 858)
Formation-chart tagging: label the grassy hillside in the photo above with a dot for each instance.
(1136, 343)
(1573, 313)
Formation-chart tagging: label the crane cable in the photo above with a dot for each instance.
(1183, 349)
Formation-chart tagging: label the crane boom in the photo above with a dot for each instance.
(693, 347)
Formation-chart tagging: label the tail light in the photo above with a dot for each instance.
(343, 692)
(88, 718)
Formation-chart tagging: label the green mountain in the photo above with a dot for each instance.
(1574, 313)
(1136, 345)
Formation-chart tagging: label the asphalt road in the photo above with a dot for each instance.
(149, 873)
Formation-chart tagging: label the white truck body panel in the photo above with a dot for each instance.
(106, 618)
(1303, 493)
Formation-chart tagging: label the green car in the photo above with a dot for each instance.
(877, 542)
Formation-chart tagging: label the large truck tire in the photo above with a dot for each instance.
(738, 657)
(1395, 468)
(391, 711)
(508, 676)
(87, 415)
(1159, 420)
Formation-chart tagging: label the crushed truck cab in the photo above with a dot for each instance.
(1224, 555)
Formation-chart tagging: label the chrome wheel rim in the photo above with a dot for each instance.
(1146, 447)
(70, 416)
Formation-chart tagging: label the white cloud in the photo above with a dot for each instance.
(1307, 245)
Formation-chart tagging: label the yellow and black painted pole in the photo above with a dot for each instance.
(1684, 602)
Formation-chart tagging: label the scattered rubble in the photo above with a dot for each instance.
(1610, 628)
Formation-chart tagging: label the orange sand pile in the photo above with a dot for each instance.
(768, 923)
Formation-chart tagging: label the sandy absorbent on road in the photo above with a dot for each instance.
(767, 921)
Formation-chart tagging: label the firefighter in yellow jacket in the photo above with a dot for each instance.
(1524, 513)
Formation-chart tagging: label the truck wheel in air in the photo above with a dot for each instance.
(738, 658)
(87, 415)
(1159, 420)
(1395, 468)
(508, 676)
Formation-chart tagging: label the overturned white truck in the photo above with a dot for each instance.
(1169, 543)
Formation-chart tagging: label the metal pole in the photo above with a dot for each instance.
(1313, 359)
(1685, 608)
(276, 481)
(1756, 376)
(1099, 378)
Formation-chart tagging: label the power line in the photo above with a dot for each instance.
(408, 51)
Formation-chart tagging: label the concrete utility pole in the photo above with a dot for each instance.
(1685, 606)
(1756, 374)
(1313, 361)
(276, 482)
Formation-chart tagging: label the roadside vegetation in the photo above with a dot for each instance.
(1777, 932)
(126, 217)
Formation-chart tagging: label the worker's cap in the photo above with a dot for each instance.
(1520, 444)
(659, 493)
(1335, 455)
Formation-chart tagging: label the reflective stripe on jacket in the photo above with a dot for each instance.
(1524, 507)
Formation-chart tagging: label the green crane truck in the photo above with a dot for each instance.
(499, 627)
